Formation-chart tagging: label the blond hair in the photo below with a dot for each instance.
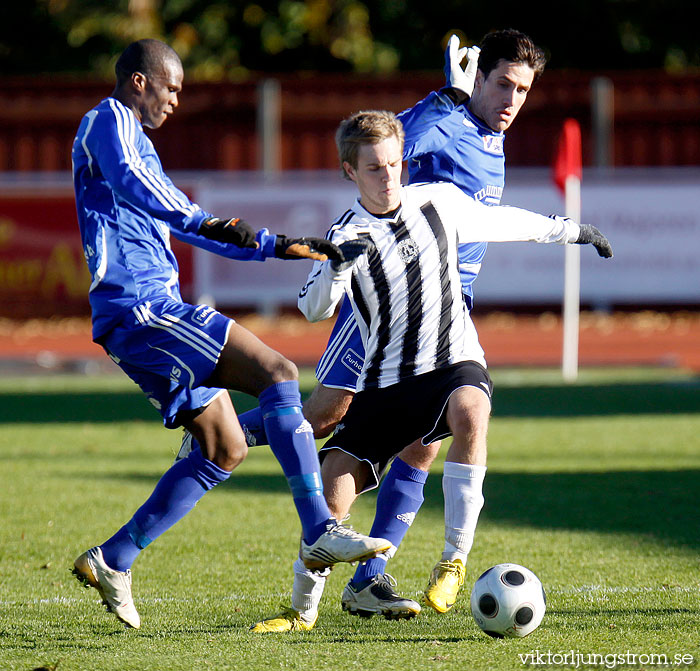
(367, 127)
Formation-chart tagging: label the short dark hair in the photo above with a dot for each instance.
(513, 46)
(368, 127)
(145, 56)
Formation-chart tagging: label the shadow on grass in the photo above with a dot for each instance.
(526, 401)
(660, 504)
(98, 407)
(597, 400)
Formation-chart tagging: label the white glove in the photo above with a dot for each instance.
(454, 75)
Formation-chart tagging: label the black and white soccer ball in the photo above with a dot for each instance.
(508, 600)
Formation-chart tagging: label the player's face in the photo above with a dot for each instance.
(378, 175)
(497, 99)
(159, 94)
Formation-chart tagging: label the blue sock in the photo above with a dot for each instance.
(252, 423)
(176, 493)
(399, 499)
(292, 442)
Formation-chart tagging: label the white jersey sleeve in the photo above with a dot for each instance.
(325, 287)
(477, 222)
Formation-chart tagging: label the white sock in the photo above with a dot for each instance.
(462, 486)
(307, 590)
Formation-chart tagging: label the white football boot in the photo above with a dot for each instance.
(341, 544)
(379, 598)
(114, 586)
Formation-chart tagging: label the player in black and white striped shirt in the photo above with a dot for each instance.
(424, 369)
(406, 290)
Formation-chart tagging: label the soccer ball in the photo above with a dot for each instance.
(508, 600)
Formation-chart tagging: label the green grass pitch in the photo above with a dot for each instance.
(594, 486)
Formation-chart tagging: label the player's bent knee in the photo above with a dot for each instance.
(322, 429)
(325, 408)
(283, 370)
(322, 424)
(420, 456)
(468, 413)
(468, 424)
(230, 455)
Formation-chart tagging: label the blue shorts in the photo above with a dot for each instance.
(170, 349)
(341, 363)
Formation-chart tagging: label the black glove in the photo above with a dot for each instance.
(590, 235)
(233, 231)
(317, 249)
(351, 250)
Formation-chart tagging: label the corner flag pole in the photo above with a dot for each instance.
(567, 176)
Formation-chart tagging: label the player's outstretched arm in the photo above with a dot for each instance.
(238, 232)
(477, 222)
(232, 231)
(317, 249)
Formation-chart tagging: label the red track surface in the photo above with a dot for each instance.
(643, 338)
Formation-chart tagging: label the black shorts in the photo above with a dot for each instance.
(380, 422)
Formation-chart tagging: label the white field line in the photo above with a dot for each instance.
(65, 600)
(601, 589)
(565, 589)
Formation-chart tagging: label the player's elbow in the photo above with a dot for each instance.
(316, 317)
(304, 310)
(311, 314)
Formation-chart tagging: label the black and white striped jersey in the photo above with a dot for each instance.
(406, 292)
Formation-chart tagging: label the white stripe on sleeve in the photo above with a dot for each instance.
(126, 129)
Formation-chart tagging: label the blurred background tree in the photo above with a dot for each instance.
(221, 39)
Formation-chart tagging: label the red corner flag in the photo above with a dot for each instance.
(567, 161)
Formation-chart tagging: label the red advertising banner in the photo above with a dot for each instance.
(42, 268)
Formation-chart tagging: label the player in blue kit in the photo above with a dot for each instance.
(184, 357)
(458, 136)
(454, 135)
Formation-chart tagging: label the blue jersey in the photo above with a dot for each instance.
(447, 143)
(127, 208)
